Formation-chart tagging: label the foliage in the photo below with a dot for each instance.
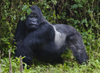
(93, 66)
(84, 15)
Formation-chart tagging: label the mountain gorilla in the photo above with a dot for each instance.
(36, 37)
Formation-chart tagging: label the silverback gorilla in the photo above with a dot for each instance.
(36, 37)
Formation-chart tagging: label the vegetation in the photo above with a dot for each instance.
(84, 15)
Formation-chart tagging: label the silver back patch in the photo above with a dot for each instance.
(60, 38)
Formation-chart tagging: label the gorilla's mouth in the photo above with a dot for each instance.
(33, 24)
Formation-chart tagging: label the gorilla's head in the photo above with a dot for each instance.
(34, 19)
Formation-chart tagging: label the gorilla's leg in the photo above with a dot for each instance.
(76, 45)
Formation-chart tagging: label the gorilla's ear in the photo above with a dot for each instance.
(20, 31)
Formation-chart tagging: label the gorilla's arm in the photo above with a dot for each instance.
(42, 35)
(35, 40)
(20, 33)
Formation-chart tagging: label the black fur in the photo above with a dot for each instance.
(35, 37)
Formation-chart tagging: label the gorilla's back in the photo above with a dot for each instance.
(61, 28)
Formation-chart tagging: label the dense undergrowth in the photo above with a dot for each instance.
(70, 65)
(84, 15)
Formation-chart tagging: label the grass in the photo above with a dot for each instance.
(70, 65)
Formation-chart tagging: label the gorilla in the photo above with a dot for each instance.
(37, 38)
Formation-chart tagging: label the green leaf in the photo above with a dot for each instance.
(74, 6)
(47, 6)
(23, 17)
(58, 16)
(24, 8)
(29, 11)
(79, 5)
(84, 21)
(76, 21)
(99, 13)
(3, 18)
(89, 11)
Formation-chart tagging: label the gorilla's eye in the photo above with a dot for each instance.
(35, 16)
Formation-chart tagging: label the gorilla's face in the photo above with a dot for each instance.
(34, 19)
